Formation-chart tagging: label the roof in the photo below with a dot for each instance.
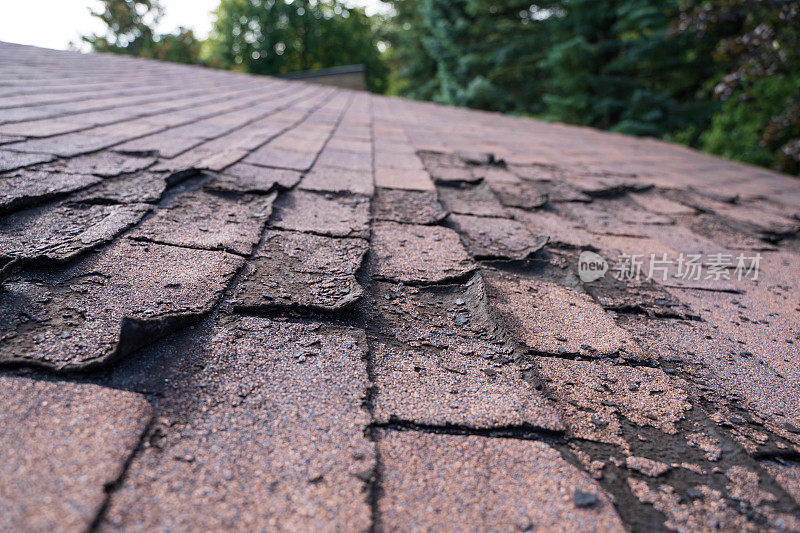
(332, 71)
(239, 301)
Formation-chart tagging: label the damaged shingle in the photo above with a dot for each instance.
(244, 178)
(10, 160)
(487, 238)
(147, 187)
(105, 164)
(300, 270)
(323, 214)
(205, 220)
(52, 234)
(429, 479)
(26, 188)
(108, 305)
(557, 320)
(275, 440)
(450, 388)
(408, 207)
(417, 254)
(475, 200)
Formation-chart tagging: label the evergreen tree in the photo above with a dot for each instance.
(413, 69)
(478, 53)
(615, 65)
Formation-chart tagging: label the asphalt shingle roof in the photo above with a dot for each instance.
(232, 301)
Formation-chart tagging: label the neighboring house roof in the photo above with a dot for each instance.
(238, 301)
(332, 71)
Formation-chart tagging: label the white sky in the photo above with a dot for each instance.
(54, 23)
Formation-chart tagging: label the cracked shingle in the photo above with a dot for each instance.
(300, 270)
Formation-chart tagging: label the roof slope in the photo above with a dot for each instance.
(236, 301)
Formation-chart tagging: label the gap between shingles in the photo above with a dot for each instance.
(110, 488)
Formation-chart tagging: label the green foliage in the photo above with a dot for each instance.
(616, 66)
(179, 47)
(130, 26)
(413, 71)
(757, 46)
(478, 53)
(282, 36)
(747, 126)
(130, 31)
(676, 69)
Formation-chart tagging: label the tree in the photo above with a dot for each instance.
(282, 36)
(758, 50)
(478, 53)
(413, 69)
(615, 65)
(130, 31)
(179, 47)
(605, 63)
(130, 26)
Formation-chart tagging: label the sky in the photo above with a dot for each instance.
(56, 23)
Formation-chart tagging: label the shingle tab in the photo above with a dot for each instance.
(324, 214)
(300, 270)
(487, 238)
(10, 160)
(63, 445)
(204, 220)
(53, 234)
(244, 178)
(409, 207)
(433, 482)
(418, 254)
(25, 188)
(110, 304)
(553, 319)
(277, 440)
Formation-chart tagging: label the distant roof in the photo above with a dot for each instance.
(232, 301)
(333, 71)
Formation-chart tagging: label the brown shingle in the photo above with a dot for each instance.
(276, 440)
(110, 304)
(433, 482)
(324, 214)
(418, 254)
(200, 219)
(300, 270)
(63, 445)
